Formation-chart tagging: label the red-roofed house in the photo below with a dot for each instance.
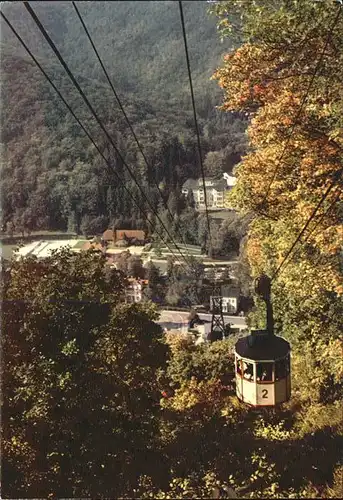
(130, 233)
(121, 234)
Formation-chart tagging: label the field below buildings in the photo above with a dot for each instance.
(8, 244)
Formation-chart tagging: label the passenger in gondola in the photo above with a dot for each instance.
(264, 372)
(248, 371)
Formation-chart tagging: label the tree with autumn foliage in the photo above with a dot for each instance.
(286, 75)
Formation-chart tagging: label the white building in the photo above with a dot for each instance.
(215, 191)
(135, 290)
(230, 179)
(230, 299)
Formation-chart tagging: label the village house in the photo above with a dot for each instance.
(230, 299)
(135, 289)
(230, 180)
(133, 235)
(215, 191)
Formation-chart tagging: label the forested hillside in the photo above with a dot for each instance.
(52, 177)
(141, 44)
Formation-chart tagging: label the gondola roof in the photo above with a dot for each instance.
(262, 347)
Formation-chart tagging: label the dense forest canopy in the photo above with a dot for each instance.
(141, 44)
(64, 184)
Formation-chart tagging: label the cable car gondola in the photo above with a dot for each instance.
(262, 361)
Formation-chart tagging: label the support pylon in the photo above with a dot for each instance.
(217, 324)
